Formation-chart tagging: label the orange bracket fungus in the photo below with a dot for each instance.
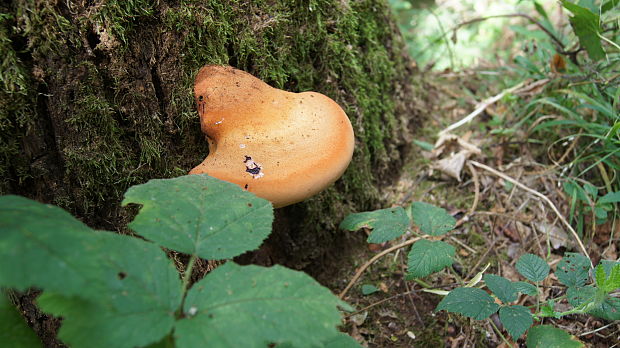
(282, 146)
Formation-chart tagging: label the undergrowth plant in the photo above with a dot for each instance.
(585, 293)
(120, 291)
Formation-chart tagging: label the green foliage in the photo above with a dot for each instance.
(587, 28)
(13, 328)
(471, 302)
(428, 257)
(119, 291)
(532, 267)
(573, 269)
(368, 289)
(210, 219)
(432, 220)
(547, 336)
(517, 319)
(387, 224)
(501, 287)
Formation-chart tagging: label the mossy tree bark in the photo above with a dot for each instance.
(96, 96)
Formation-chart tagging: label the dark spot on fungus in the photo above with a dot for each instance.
(200, 98)
(250, 205)
(246, 186)
(253, 171)
(121, 275)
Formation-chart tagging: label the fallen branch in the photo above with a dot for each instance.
(541, 196)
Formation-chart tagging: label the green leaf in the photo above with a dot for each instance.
(501, 287)
(547, 336)
(609, 309)
(136, 304)
(573, 270)
(611, 197)
(342, 340)
(13, 327)
(427, 257)
(608, 281)
(44, 246)
(200, 215)
(432, 220)
(525, 288)
(586, 25)
(471, 302)
(270, 305)
(387, 224)
(516, 319)
(368, 289)
(532, 267)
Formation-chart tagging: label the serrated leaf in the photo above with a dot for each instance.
(432, 220)
(271, 305)
(586, 25)
(573, 270)
(532, 267)
(525, 288)
(608, 281)
(200, 215)
(136, 304)
(611, 197)
(44, 246)
(368, 289)
(608, 310)
(516, 319)
(501, 287)
(427, 257)
(342, 340)
(386, 224)
(471, 302)
(547, 336)
(13, 327)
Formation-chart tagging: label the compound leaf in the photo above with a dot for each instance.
(573, 270)
(532, 267)
(516, 319)
(200, 215)
(272, 305)
(427, 257)
(432, 220)
(470, 302)
(501, 287)
(387, 224)
(547, 336)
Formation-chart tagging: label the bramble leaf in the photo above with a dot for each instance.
(532, 267)
(547, 336)
(471, 302)
(609, 309)
(432, 220)
(13, 327)
(525, 288)
(573, 270)
(272, 305)
(427, 257)
(501, 287)
(205, 216)
(387, 224)
(516, 319)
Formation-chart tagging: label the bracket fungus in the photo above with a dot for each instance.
(281, 146)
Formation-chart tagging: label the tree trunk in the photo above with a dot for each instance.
(96, 96)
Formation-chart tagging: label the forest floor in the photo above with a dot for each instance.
(497, 222)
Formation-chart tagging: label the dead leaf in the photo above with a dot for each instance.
(557, 236)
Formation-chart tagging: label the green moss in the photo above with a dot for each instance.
(122, 105)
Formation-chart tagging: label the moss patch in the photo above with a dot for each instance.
(98, 97)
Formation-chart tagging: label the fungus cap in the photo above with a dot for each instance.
(282, 146)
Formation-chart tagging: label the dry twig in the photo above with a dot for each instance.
(541, 196)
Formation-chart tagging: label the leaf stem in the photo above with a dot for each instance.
(500, 333)
(188, 274)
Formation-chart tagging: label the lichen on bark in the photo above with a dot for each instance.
(97, 96)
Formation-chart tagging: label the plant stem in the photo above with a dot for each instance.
(500, 333)
(188, 274)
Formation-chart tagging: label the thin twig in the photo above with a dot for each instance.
(541, 196)
(375, 258)
(482, 106)
(474, 176)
